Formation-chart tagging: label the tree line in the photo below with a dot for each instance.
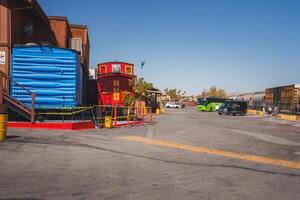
(177, 94)
(213, 92)
(140, 87)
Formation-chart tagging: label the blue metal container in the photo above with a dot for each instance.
(53, 74)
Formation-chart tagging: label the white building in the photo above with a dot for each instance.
(92, 73)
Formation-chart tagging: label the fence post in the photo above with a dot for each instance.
(151, 117)
(115, 116)
(32, 107)
(135, 116)
(143, 117)
(1, 90)
(2, 106)
(128, 112)
(100, 117)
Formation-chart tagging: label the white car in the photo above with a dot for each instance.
(173, 105)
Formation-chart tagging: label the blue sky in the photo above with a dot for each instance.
(239, 45)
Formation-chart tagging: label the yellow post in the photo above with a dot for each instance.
(108, 122)
(157, 111)
(162, 110)
(3, 126)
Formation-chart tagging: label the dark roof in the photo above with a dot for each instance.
(291, 85)
(63, 18)
(154, 90)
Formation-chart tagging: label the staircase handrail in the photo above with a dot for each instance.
(7, 77)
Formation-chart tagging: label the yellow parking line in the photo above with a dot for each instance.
(229, 154)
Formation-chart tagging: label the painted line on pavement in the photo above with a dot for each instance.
(229, 154)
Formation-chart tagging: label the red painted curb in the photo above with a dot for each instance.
(53, 125)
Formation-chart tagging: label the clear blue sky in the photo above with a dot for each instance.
(239, 45)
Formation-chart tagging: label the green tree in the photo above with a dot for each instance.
(213, 92)
(221, 93)
(128, 99)
(175, 95)
(140, 88)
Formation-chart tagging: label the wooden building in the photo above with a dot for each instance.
(81, 43)
(61, 29)
(22, 22)
(286, 98)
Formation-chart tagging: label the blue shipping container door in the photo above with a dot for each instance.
(53, 74)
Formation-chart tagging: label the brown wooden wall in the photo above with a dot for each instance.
(288, 100)
(4, 23)
(79, 31)
(42, 32)
(5, 38)
(288, 97)
(61, 29)
(269, 96)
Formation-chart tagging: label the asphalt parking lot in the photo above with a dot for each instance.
(186, 155)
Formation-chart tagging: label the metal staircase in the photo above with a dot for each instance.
(14, 104)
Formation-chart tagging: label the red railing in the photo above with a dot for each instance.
(123, 115)
(5, 81)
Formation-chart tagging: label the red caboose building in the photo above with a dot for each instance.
(113, 81)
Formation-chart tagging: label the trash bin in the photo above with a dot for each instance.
(108, 122)
(3, 126)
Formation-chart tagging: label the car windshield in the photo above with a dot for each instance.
(226, 104)
(201, 101)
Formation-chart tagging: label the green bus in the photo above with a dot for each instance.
(210, 104)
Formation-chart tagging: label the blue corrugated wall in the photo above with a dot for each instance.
(53, 74)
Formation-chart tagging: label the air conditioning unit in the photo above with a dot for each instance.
(76, 44)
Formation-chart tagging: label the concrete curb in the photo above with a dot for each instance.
(280, 116)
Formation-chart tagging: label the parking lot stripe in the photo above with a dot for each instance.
(229, 154)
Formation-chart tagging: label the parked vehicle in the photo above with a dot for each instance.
(231, 107)
(210, 104)
(182, 104)
(173, 105)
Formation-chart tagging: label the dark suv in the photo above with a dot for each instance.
(233, 108)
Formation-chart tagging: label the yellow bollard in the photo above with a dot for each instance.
(146, 111)
(157, 111)
(3, 126)
(108, 122)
